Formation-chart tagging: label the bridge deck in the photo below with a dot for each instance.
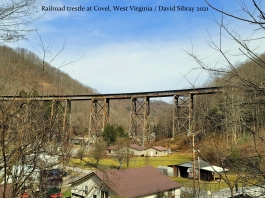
(168, 93)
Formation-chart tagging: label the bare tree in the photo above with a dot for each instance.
(98, 151)
(240, 116)
(27, 131)
(17, 17)
(122, 151)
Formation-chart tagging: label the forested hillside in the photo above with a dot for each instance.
(229, 127)
(22, 69)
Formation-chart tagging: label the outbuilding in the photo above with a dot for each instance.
(203, 170)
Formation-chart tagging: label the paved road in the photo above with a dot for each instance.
(77, 170)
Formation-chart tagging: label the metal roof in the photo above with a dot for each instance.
(216, 169)
(190, 164)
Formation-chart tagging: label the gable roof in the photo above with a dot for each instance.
(112, 147)
(133, 146)
(137, 147)
(203, 166)
(160, 148)
(136, 182)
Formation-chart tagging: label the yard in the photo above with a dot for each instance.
(176, 158)
(134, 161)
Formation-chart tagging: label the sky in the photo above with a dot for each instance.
(129, 50)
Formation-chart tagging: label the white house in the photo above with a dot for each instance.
(146, 182)
(112, 149)
(134, 149)
(156, 151)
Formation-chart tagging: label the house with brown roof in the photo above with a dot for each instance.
(126, 183)
(112, 149)
(156, 151)
(134, 149)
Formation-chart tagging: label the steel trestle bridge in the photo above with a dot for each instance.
(140, 108)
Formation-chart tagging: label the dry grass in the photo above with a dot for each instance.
(135, 162)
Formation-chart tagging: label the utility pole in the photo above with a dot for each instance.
(193, 167)
(199, 173)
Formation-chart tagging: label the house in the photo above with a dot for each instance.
(134, 149)
(112, 149)
(157, 151)
(126, 183)
(137, 150)
(203, 170)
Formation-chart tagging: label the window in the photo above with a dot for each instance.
(86, 189)
(104, 194)
(94, 196)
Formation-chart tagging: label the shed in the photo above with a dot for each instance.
(204, 170)
(165, 170)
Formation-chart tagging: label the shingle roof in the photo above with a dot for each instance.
(159, 148)
(137, 182)
(137, 147)
(133, 146)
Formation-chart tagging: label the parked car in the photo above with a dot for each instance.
(56, 195)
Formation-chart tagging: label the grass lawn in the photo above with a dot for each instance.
(135, 161)
(67, 193)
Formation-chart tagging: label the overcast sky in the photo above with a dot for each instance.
(132, 51)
